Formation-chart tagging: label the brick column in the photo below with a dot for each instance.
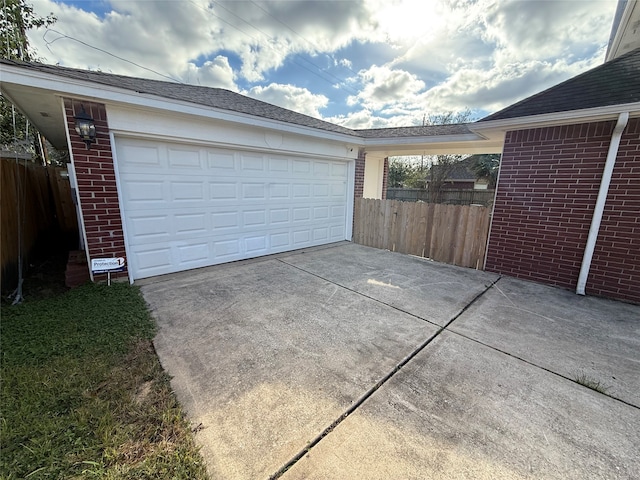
(97, 190)
(359, 180)
(385, 178)
(358, 190)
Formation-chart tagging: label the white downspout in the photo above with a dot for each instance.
(623, 118)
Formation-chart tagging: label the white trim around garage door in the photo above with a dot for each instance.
(188, 205)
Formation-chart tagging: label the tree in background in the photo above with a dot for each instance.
(16, 19)
(441, 166)
(427, 171)
(486, 166)
(403, 173)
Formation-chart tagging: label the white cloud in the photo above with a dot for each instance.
(544, 30)
(499, 87)
(420, 56)
(291, 97)
(214, 73)
(357, 120)
(167, 35)
(164, 39)
(364, 119)
(384, 86)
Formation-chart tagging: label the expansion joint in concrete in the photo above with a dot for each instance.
(384, 379)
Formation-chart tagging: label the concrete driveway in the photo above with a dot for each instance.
(350, 362)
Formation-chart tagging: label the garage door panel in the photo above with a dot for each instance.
(223, 190)
(252, 163)
(279, 216)
(321, 213)
(280, 240)
(184, 158)
(197, 253)
(221, 162)
(301, 167)
(144, 192)
(321, 190)
(254, 218)
(152, 261)
(186, 191)
(337, 232)
(225, 220)
(253, 191)
(338, 211)
(279, 191)
(191, 223)
(227, 249)
(301, 238)
(338, 190)
(147, 227)
(339, 170)
(301, 214)
(321, 234)
(144, 155)
(188, 206)
(279, 165)
(151, 227)
(255, 245)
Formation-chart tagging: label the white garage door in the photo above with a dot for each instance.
(191, 206)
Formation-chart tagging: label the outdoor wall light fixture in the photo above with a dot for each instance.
(85, 127)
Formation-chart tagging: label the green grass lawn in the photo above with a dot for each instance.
(83, 394)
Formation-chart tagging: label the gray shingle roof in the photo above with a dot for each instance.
(425, 131)
(228, 100)
(613, 83)
(461, 170)
(207, 96)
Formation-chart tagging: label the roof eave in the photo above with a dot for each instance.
(586, 115)
(422, 139)
(624, 31)
(81, 89)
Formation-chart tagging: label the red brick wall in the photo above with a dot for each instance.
(615, 268)
(548, 186)
(359, 180)
(96, 184)
(385, 178)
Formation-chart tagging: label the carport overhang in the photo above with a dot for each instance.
(471, 143)
(378, 149)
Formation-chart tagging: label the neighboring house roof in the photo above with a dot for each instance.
(613, 83)
(460, 171)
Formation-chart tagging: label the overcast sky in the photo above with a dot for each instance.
(362, 64)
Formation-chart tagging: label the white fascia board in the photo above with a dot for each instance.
(622, 29)
(587, 115)
(74, 88)
(433, 139)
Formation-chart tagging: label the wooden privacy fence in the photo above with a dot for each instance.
(453, 234)
(33, 199)
(448, 196)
